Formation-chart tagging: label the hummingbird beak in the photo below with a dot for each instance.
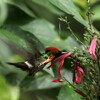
(49, 59)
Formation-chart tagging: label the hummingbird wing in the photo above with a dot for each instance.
(24, 44)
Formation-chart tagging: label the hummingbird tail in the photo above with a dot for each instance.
(21, 65)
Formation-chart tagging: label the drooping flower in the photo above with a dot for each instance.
(79, 72)
(60, 59)
(92, 48)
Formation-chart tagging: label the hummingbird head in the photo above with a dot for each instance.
(53, 50)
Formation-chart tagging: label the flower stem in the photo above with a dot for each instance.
(89, 13)
(68, 27)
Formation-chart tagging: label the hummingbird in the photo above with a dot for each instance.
(35, 64)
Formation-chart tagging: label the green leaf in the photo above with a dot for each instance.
(21, 4)
(41, 82)
(48, 6)
(3, 12)
(20, 39)
(46, 33)
(14, 91)
(50, 71)
(67, 93)
(4, 89)
(4, 51)
(8, 92)
(82, 4)
(68, 7)
(4, 56)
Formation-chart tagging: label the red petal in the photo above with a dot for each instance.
(94, 56)
(59, 67)
(92, 48)
(54, 62)
(79, 69)
(56, 80)
(78, 74)
(78, 77)
(60, 58)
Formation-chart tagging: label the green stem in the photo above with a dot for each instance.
(90, 27)
(68, 27)
(70, 83)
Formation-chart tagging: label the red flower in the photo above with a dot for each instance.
(61, 62)
(56, 80)
(92, 48)
(78, 73)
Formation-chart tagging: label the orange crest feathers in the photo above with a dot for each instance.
(52, 49)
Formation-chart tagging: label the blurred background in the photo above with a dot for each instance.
(30, 26)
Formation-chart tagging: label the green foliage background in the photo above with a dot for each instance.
(22, 21)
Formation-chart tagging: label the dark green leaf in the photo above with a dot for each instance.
(20, 39)
(4, 51)
(22, 4)
(48, 6)
(46, 33)
(68, 7)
